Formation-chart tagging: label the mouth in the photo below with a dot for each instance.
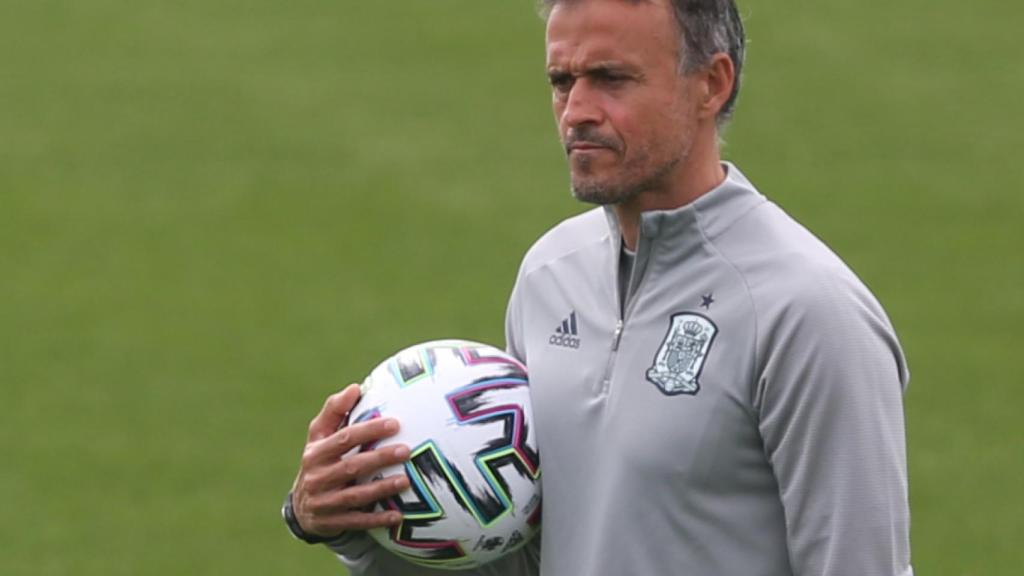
(584, 147)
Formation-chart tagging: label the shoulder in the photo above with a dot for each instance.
(803, 295)
(783, 263)
(776, 257)
(568, 237)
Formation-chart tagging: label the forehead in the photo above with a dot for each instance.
(581, 31)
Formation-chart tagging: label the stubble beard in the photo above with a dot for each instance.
(628, 184)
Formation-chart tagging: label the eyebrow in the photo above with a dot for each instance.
(597, 68)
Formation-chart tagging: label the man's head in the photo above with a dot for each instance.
(640, 86)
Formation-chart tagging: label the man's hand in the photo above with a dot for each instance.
(325, 500)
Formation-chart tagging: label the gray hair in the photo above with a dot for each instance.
(707, 27)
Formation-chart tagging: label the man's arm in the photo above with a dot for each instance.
(831, 415)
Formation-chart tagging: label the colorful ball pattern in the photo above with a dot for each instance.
(474, 472)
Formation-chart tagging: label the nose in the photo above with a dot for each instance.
(581, 106)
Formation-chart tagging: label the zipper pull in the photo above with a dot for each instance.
(617, 336)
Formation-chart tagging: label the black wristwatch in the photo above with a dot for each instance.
(288, 513)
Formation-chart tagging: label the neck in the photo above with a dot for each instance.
(698, 175)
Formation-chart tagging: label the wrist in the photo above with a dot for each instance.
(290, 520)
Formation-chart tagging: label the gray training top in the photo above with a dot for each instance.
(742, 415)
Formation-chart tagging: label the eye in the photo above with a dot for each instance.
(610, 78)
(561, 82)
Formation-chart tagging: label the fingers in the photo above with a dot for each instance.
(334, 446)
(321, 478)
(351, 468)
(325, 498)
(355, 521)
(336, 511)
(334, 412)
(359, 497)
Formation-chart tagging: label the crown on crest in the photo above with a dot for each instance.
(692, 328)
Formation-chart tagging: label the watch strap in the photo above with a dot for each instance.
(288, 513)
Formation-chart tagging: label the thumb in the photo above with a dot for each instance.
(334, 413)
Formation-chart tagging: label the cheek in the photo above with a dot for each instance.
(670, 124)
(622, 121)
(558, 108)
(637, 128)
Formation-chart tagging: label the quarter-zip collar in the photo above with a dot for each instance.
(713, 211)
(675, 230)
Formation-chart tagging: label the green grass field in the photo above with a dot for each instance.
(213, 214)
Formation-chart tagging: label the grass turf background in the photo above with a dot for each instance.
(213, 214)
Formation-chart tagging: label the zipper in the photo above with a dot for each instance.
(632, 292)
(606, 381)
(618, 336)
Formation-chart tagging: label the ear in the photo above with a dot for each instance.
(719, 78)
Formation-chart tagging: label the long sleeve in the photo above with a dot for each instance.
(831, 416)
(514, 344)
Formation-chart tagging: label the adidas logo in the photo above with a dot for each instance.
(566, 334)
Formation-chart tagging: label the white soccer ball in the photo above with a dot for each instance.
(474, 472)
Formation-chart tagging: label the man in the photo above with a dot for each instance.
(734, 404)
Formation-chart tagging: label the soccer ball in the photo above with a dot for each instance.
(474, 471)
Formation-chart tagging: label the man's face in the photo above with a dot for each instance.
(625, 114)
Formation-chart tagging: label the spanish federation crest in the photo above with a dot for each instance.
(680, 358)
